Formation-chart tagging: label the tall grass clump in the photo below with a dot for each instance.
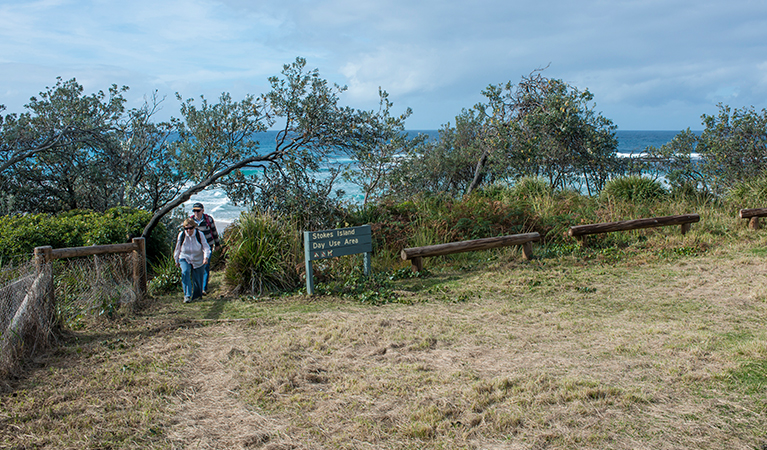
(264, 254)
(544, 209)
(88, 289)
(751, 193)
(167, 277)
(634, 189)
(531, 188)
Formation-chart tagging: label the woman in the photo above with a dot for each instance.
(192, 253)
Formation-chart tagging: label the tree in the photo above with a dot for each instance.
(142, 162)
(674, 161)
(53, 154)
(375, 162)
(733, 146)
(731, 149)
(62, 116)
(217, 144)
(77, 151)
(214, 140)
(540, 127)
(445, 165)
(545, 127)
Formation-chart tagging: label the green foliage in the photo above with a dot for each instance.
(552, 130)
(733, 146)
(442, 167)
(750, 193)
(375, 289)
(539, 128)
(213, 136)
(634, 189)
(674, 161)
(374, 162)
(531, 187)
(70, 150)
(90, 288)
(314, 127)
(19, 235)
(732, 149)
(166, 276)
(73, 151)
(264, 255)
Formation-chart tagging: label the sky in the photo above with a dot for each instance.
(650, 64)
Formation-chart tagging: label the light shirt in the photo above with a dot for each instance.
(191, 250)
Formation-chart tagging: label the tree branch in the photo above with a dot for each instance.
(186, 195)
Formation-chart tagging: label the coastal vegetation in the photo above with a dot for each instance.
(646, 338)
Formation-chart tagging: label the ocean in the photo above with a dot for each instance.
(218, 205)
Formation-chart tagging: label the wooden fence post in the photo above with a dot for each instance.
(139, 267)
(44, 268)
(527, 251)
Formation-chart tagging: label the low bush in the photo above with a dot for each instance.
(264, 255)
(167, 277)
(634, 189)
(20, 234)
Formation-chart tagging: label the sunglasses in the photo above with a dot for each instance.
(189, 228)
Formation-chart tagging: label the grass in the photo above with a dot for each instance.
(655, 343)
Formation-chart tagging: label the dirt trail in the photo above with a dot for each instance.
(209, 416)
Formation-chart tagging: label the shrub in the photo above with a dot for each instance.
(529, 187)
(263, 255)
(19, 235)
(634, 189)
(167, 277)
(751, 193)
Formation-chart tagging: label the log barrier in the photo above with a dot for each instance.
(754, 214)
(416, 254)
(685, 220)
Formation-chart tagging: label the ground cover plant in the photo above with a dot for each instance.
(646, 340)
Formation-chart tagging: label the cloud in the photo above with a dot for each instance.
(647, 62)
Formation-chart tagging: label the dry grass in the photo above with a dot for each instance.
(625, 350)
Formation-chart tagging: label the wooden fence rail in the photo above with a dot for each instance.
(137, 246)
(415, 254)
(685, 220)
(754, 214)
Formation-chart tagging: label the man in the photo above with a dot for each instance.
(207, 227)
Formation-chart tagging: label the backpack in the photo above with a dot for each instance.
(196, 233)
(206, 218)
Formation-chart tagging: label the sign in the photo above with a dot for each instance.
(333, 243)
(341, 242)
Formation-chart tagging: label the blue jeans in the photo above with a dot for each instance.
(205, 276)
(191, 279)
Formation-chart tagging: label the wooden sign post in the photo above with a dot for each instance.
(333, 243)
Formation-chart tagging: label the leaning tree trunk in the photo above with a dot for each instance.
(186, 195)
(478, 173)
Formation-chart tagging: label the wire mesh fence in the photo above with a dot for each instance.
(36, 299)
(26, 323)
(93, 287)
